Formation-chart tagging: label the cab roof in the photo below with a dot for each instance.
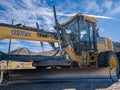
(87, 18)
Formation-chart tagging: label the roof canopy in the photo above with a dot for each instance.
(87, 18)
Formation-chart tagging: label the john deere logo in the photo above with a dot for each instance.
(21, 33)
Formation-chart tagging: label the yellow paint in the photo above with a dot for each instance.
(20, 65)
(107, 46)
(87, 18)
(5, 33)
(113, 63)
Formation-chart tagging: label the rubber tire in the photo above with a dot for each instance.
(104, 59)
(118, 56)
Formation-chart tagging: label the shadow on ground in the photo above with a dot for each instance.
(60, 86)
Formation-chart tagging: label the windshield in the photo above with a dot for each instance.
(81, 35)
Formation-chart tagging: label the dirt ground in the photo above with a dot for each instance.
(65, 86)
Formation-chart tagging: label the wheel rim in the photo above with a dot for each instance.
(113, 65)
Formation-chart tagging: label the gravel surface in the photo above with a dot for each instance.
(65, 86)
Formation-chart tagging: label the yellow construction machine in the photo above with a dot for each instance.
(83, 53)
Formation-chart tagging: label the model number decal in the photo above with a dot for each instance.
(21, 33)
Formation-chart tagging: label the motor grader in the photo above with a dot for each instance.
(83, 53)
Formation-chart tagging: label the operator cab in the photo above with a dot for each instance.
(81, 32)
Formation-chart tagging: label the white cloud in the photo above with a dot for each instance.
(69, 15)
(27, 12)
(16, 46)
(4, 41)
(107, 4)
(91, 6)
(103, 32)
(114, 11)
(7, 41)
(2, 47)
(34, 46)
(96, 16)
(99, 16)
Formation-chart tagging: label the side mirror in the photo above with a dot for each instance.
(82, 18)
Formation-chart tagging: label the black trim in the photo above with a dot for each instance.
(95, 37)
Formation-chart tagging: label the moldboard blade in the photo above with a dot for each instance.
(72, 74)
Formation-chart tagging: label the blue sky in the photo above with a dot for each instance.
(29, 12)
